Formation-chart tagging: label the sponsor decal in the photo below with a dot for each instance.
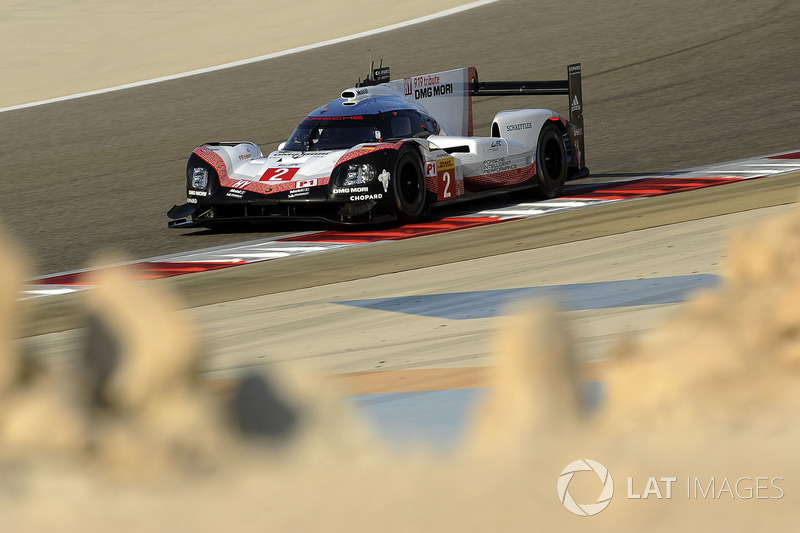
(447, 163)
(430, 169)
(575, 69)
(350, 190)
(408, 86)
(241, 184)
(491, 166)
(517, 127)
(354, 117)
(306, 183)
(299, 192)
(364, 197)
(576, 105)
(425, 81)
(430, 92)
(300, 155)
(279, 174)
(248, 155)
(381, 74)
(383, 177)
(191, 200)
(235, 193)
(496, 144)
(198, 193)
(361, 92)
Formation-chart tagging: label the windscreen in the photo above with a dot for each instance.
(336, 133)
(333, 133)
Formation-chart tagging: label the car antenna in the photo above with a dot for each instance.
(375, 76)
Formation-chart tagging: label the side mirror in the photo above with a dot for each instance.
(281, 146)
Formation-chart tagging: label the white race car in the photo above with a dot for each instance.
(391, 149)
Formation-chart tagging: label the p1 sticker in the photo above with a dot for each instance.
(430, 169)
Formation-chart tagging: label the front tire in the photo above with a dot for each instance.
(408, 186)
(551, 163)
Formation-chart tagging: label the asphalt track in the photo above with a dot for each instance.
(667, 86)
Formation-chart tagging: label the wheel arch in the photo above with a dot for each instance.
(562, 128)
(523, 125)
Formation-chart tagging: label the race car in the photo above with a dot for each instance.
(391, 150)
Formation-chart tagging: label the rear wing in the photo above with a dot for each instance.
(571, 87)
(447, 95)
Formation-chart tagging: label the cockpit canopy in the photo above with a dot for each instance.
(321, 132)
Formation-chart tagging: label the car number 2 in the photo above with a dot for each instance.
(446, 185)
(278, 174)
(446, 178)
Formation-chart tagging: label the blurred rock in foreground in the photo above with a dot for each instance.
(130, 440)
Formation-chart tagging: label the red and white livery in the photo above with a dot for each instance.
(392, 149)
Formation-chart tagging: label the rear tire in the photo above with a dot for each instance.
(551, 163)
(408, 186)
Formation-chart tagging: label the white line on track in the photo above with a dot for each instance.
(739, 172)
(297, 50)
(265, 255)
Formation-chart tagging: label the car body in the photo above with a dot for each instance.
(390, 150)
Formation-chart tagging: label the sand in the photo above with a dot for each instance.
(52, 49)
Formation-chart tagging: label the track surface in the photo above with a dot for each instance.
(580, 195)
(673, 85)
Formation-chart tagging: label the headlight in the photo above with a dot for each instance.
(359, 173)
(199, 178)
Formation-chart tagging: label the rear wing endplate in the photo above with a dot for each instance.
(571, 87)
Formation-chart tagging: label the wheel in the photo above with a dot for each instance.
(551, 163)
(408, 186)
